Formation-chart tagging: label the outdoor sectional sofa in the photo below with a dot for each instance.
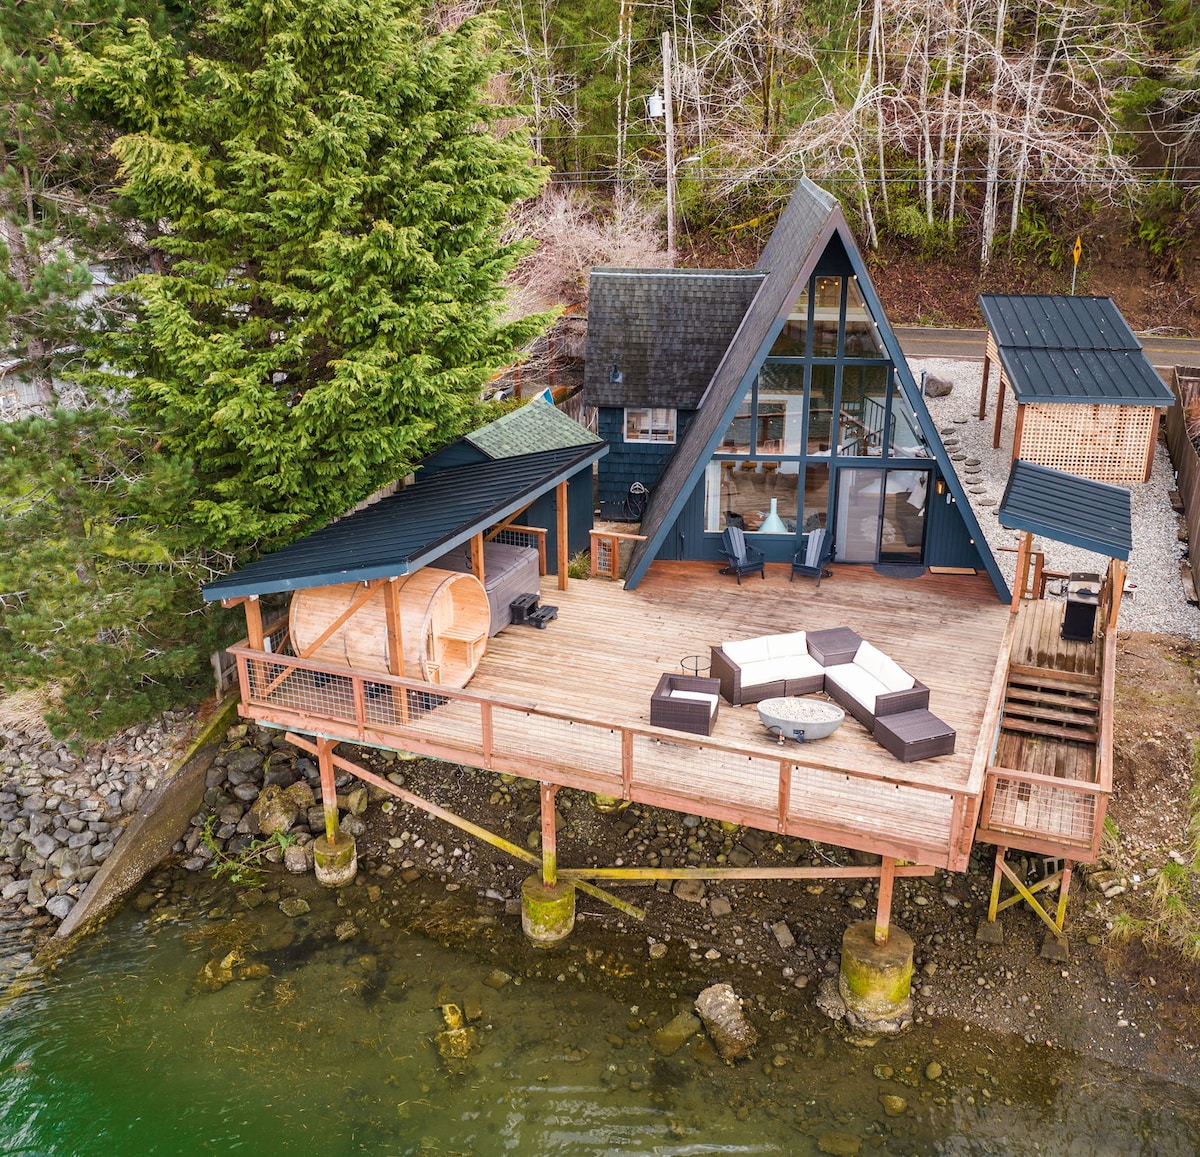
(867, 683)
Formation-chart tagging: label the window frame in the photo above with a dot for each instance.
(658, 419)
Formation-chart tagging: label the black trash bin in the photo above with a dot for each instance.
(1083, 599)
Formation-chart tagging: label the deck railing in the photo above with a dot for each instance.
(1044, 813)
(788, 793)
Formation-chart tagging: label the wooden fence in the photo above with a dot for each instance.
(1186, 383)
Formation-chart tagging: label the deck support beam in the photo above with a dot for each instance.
(335, 856)
(549, 835)
(304, 743)
(1028, 893)
(883, 910)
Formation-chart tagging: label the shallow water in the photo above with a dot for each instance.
(129, 1047)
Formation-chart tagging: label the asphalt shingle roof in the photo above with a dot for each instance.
(534, 427)
(666, 330)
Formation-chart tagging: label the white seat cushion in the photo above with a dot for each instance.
(883, 667)
(698, 696)
(774, 670)
(779, 646)
(859, 684)
(743, 651)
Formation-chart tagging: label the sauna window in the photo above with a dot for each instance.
(650, 425)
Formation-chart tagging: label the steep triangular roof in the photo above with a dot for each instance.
(808, 224)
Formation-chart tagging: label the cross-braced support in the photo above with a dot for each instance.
(1028, 893)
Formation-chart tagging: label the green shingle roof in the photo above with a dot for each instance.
(535, 427)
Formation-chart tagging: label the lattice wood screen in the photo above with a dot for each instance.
(1104, 443)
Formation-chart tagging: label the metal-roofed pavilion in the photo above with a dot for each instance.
(1087, 396)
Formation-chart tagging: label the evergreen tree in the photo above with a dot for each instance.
(51, 167)
(333, 188)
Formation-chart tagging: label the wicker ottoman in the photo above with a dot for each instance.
(686, 703)
(913, 735)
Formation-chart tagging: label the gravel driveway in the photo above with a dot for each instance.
(1159, 602)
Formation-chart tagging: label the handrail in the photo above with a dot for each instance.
(486, 739)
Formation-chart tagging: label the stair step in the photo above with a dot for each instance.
(1053, 731)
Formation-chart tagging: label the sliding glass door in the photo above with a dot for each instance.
(881, 515)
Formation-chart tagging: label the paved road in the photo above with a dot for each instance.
(921, 342)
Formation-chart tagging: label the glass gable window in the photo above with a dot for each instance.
(862, 334)
(794, 456)
(780, 425)
(791, 340)
(906, 439)
(650, 425)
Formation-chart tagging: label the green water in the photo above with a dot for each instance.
(127, 1048)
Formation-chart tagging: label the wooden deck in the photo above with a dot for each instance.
(1048, 786)
(570, 704)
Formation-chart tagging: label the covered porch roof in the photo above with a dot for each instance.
(1095, 516)
(402, 533)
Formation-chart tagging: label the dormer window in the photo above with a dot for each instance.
(650, 424)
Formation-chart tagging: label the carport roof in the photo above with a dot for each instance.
(1070, 350)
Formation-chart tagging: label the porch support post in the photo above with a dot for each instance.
(883, 910)
(547, 903)
(335, 856)
(395, 632)
(987, 365)
(564, 547)
(254, 623)
(477, 564)
(999, 414)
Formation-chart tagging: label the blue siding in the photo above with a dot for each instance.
(947, 539)
(579, 518)
(629, 462)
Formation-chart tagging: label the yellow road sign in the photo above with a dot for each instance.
(1078, 249)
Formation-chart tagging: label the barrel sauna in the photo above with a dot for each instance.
(444, 619)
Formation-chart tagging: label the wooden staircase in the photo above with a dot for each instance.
(1053, 704)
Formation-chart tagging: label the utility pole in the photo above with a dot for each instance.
(669, 101)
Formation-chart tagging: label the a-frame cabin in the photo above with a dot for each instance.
(811, 417)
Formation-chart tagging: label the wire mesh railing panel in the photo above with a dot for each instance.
(513, 537)
(299, 689)
(1051, 811)
(567, 743)
(709, 773)
(870, 806)
(423, 714)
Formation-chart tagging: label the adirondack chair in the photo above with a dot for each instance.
(811, 561)
(743, 558)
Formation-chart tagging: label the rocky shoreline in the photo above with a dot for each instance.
(772, 940)
(62, 813)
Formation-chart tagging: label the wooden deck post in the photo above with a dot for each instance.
(564, 547)
(477, 563)
(328, 788)
(883, 910)
(254, 623)
(987, 365)
(999, 414)
(549, 835)
(395, 633)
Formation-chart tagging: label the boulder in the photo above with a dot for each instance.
(937, 387)
(274, 810)
(721, 1011)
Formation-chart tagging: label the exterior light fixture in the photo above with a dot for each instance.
(656, 107)
(615, 377)
(940, 486)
